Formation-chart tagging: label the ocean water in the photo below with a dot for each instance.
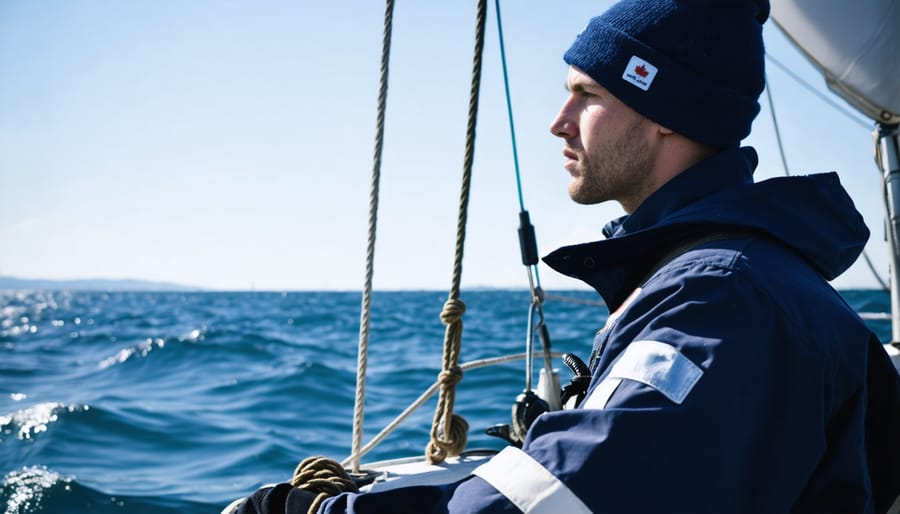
(164, 402)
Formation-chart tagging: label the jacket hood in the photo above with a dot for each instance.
(812, 215)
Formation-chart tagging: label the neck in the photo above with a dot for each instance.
(678, 153)
(673, 155)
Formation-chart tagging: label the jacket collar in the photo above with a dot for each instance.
(719, 172)
(636, 242)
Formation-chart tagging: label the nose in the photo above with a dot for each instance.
(564, 124)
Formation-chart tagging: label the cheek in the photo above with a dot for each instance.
(592, 130)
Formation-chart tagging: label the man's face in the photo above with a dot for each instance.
(608, 146)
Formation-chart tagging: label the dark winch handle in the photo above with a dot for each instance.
(525, 410)
(578, 386)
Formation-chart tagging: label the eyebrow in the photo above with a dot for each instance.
(577, 87)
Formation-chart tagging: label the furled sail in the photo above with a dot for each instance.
(855, 44)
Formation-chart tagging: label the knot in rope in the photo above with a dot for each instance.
(453, 443)
(322, 476)
(450, 377)
(454, 308)
(449, 431)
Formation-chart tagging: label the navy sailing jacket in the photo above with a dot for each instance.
(732, 379)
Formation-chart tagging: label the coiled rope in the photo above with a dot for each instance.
(324, 477)
(449, 430)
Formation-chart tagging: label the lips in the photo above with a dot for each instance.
(571, 159)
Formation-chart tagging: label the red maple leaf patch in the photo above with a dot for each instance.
(641, 70)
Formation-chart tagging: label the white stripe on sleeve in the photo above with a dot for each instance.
(528, 484)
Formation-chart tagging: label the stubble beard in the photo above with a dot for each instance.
(618, 170)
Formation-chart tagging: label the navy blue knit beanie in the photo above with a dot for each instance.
(693, 66)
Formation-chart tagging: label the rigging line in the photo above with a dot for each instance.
(366, 308)
(818, 93)
(523, 215)
(512, 126)
(527, 240)
(784, 163)
(449, 430)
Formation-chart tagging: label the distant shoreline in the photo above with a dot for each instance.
(104, 284)
(100, 284)
(8, 283)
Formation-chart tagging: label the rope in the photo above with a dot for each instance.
(324, 477)
(365, 311)
(448, 431)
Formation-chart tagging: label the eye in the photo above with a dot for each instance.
(579, 92)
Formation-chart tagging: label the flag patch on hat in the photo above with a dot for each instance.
(639, 72)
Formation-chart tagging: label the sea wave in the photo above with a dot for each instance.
(139, 350)
(36, 489)
(27, 423)
(24, 490)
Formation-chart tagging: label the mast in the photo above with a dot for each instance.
(887, 155)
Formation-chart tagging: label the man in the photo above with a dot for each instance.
(730, 377)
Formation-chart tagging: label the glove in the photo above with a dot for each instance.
(280, 499)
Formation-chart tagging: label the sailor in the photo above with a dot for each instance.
(731, 377)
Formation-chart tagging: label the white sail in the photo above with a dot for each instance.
(855, 44)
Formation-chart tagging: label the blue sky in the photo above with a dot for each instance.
(228, 144)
